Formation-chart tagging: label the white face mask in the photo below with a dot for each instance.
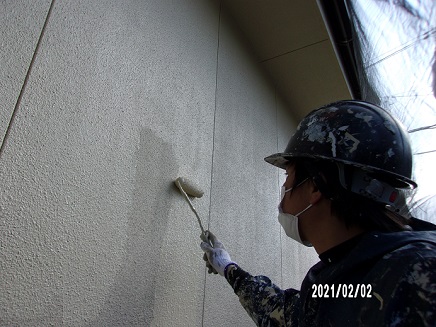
(289, 222)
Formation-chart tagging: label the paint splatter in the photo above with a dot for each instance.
(333, 141)
(378, 296)
(389, 126)
(355, 141)
(365, 118)
(314, 133)
(391, 153)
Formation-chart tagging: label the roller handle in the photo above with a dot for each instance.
(204, 238)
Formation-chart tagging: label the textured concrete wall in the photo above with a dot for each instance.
(122, 98)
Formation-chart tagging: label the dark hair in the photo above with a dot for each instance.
(353, 209)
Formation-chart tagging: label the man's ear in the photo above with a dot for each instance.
(315, 197)
(315, 194)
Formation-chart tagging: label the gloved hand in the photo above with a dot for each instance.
(216, 257)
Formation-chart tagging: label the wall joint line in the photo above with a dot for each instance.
(26, 80)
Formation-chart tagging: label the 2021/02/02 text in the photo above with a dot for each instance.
(341, 291)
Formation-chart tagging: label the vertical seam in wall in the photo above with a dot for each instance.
(214, 114)
(26, 79)
(213, 149)
(278, 181)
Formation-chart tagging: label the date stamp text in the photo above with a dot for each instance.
(349, 291)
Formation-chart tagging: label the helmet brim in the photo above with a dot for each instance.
(281, 160)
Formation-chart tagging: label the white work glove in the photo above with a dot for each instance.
(216, 257)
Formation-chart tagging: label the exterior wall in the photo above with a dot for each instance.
(122, 98)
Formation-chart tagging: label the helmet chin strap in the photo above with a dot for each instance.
(363, 184)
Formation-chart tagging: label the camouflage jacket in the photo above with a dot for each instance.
(387, 279)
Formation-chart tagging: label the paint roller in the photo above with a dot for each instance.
(187, 187)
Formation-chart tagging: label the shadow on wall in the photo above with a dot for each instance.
(131, 298)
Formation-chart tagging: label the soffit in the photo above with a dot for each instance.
(290, 41)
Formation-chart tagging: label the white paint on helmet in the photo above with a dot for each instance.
(333, 141)
(389, 126)
(391, 152)
(355, 141)
(365, 118)
(314, 133)
(299, 126)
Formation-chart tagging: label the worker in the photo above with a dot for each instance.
(347, 167)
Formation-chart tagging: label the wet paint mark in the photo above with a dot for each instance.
(132, 296)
